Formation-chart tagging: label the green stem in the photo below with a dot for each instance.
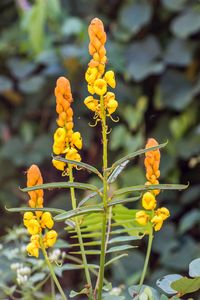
(105, 189)
(150, 240)
(52, 289)
(52, 271)
(74, 205)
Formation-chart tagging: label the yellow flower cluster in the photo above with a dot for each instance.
(38, 221)
(156, 217)
(98, 80)
(66, 141)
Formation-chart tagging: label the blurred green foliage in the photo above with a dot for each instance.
(153, 46)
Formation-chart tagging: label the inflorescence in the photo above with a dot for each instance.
(66, 141)
(149, 203)
(38, 223)
(98, 80)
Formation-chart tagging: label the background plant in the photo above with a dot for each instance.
(151, 97)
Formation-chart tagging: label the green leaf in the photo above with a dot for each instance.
(93, 243)
(194, 268)
(80, 164)
(114, 259)
(122, 201)
(21, 68)
(87, 252)
(117, 171)
(62, 244)
(69, 267)
(32, 84)
(163, 297)
(23, 209)
(35, 25)
(189, 220)
(186, 24)
(131, 156)
(164, 283)
(77, 212)
(178, 53)
(72, 26)
(137, 290)
(61, 185)
(82, 292)
(133, 16)
(89, 235)
(186, 285)
(120, 248)
(140, 188)
(5, 84)
(143, 59)
(37, 277)
(175, 80)
(88, 197)
(123, 239)
(174, 5)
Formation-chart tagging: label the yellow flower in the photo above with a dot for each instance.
(163, 212)
(77, 139)
(91, 75)
(35, 239)
(32, 249)
(91, 103)
(91, 89)
(100, 87)
(157, 222)
(110, 78)
(142, 217)
(27, 217)
(50, 238)
(33, 227)
(148, 201)
(72, 154)
(60, 135)
(59, 165)
(46, 220)
(112, 106)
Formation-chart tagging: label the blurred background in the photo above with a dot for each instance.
(153, 46)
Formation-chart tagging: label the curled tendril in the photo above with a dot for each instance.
(95, 124)
(108, 131)
(65, 173)
(78, 168)
(96, 116)
(114, 120)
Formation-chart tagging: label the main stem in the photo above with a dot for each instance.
(84, 259)
(150, 240)
(52, 271)
(105, 190)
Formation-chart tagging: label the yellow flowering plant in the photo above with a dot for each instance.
(94, 225)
